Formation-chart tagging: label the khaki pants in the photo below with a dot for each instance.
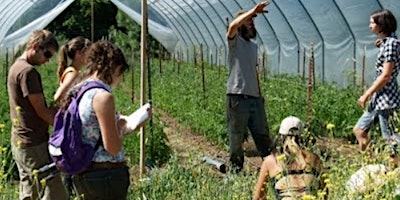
(30, 188)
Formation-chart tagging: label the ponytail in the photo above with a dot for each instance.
(62, 60)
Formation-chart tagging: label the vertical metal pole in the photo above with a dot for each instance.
(133, 77)
(143, 64)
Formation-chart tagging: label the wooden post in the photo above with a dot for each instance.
(304, 63)
(187, 55)
(202, 69)
(219, 62)
(227, 23)
(194, 57)
(211, 59)
(6, 66)
(264, 65)
(133, 78)
(310, 88)
(179, 61)
(143, 65)
(363, 71)
(160, 56)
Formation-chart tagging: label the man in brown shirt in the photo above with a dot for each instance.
(31, 118)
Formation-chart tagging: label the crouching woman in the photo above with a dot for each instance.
(291, 171)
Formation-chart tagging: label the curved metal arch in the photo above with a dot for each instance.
(215, 28)
(220, 17)
(223, 22)
(226, 25)
(13, 14)
(198, 30)
(208, 30)
(210, 21)
(219, 1)
(172, 23)
(352, 35)
(276, 36)
(294, 33)
(184, 21)
(379, 3)
(322, 39)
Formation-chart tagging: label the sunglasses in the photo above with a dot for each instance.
(46, 53)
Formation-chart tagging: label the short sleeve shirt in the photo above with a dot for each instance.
(28, 129)
(388, 97)
(91, 132)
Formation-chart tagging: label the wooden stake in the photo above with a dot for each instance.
(310, 88)
(143, 65)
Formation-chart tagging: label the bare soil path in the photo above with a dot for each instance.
(185, 143)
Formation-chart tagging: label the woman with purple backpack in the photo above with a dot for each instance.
(107, 177)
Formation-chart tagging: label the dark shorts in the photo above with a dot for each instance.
(102, 184)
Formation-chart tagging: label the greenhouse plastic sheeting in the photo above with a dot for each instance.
(336, 29)
(18, 18)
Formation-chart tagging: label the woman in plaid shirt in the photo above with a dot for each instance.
(383, 93)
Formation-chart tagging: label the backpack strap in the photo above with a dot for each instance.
(88, 86)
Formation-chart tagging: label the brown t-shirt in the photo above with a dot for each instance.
(27, 126)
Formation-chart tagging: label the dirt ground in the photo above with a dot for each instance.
(184, 142)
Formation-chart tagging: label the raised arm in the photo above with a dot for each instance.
(236, 23)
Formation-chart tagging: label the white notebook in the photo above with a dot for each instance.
(137, 117)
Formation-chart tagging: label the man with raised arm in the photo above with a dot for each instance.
(244, 103)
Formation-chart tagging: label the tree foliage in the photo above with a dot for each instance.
(109, 22)
(76, 19)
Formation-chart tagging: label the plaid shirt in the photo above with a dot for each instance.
(387, 97)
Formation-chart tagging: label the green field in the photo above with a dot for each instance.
(180, 93)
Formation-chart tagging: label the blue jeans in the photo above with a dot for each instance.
(369, 117)
(243, 113)
(102, 184)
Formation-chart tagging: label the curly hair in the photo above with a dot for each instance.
(105, 58)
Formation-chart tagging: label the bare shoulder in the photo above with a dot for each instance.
(103, 98)
(269, 162)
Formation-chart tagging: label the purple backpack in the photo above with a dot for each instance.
(67, 150)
